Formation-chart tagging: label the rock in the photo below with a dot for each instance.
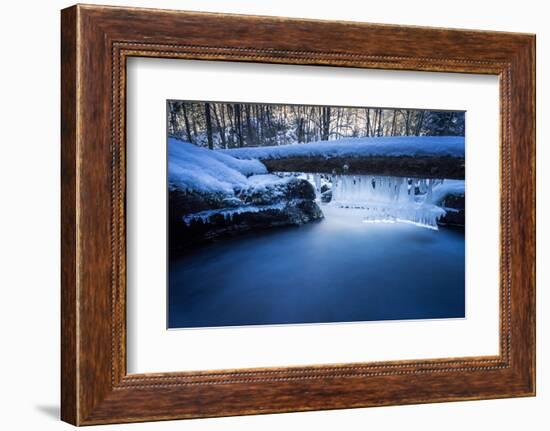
(326, 196)
(300, 189)
(299, 212)
(196, 218)
(231, 202)
(188, 202)
(291, 188)
(456, 211)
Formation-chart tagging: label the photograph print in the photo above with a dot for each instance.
(300, 214)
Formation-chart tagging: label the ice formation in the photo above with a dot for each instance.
(229, 213)
(389, 199)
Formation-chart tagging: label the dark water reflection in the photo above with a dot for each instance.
(337, 270)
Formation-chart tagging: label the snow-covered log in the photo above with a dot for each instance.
(419, 156)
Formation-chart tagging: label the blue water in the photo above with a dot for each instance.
(336, 270)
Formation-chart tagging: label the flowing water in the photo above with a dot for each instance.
(340, 269)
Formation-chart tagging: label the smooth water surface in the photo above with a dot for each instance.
(337, 270)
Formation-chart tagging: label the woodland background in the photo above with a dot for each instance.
(232, 125)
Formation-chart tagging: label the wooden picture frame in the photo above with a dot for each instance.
(95, 43)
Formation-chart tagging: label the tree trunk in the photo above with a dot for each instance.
(325, 130)
(379, 133)
(419, 123)
(408, 123)
(174, 108)
(238, 123)
(300, 131)
(221, 127)
(186, 119)
(230, 116)
(249, 131)
(208, 126)
(393, 122)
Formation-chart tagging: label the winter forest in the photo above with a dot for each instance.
(291, 214)
(232, 125)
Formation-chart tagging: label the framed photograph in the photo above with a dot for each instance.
(265, 215)
(267, 206)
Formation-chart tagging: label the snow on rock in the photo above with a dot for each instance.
(230, 213)
(391, 146)
(196, 169)
(450, 195)
(212, 194)
(233, 182)
(445, 189)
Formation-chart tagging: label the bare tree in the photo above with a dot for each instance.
(393, 122)
(419, 122)
(325, 123)
(221, 127)
(208, 125)
(186, 120)
(368, 121)
(238, 123)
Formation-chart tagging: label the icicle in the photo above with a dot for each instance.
(317, 185)
(388, 199)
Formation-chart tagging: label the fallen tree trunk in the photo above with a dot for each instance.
(405, 166)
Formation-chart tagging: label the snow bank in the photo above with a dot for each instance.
(393, 146)
(193, 168)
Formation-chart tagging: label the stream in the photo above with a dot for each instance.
(339, 269)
